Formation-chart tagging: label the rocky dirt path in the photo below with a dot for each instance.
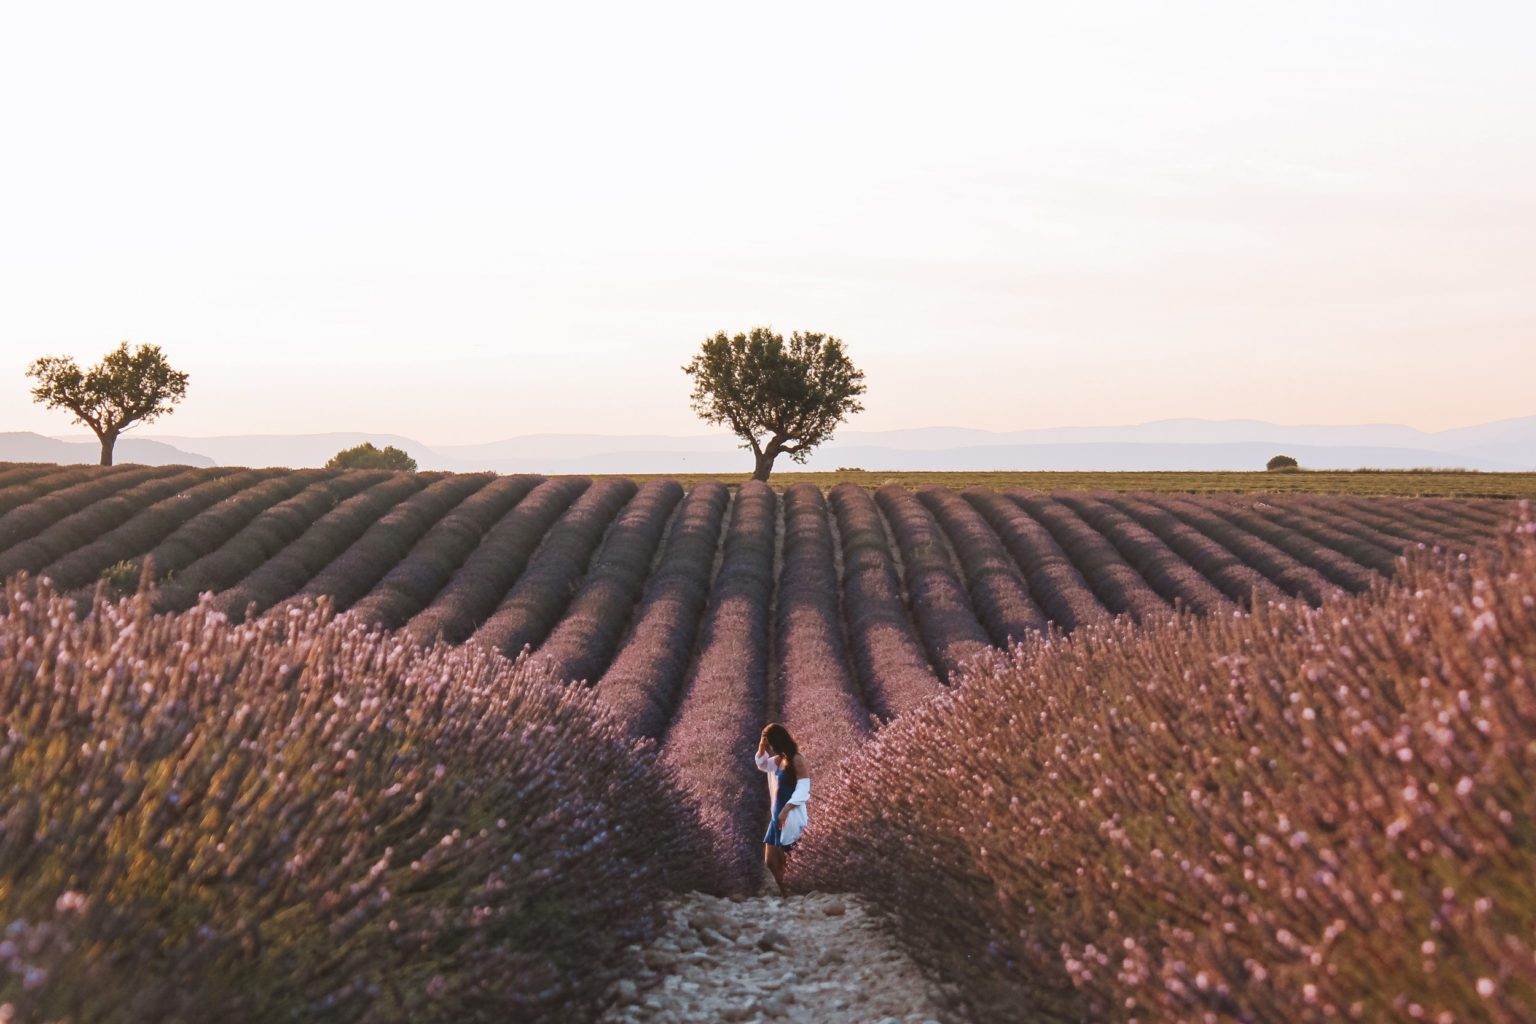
(813, 959)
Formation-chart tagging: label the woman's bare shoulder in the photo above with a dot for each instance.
(802, 766)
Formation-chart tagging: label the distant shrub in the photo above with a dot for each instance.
(294, 820)
(366, 456)
(1306, 814)
(851, 469)
(1282, 464)
(123, 576)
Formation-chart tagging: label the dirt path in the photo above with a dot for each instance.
(813, 959)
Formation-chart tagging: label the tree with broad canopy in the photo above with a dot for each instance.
(780, 398)
(125, 388)
(367, 456)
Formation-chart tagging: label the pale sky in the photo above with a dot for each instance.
(462, 222)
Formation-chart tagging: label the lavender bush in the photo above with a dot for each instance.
(1058, 588)
(1216, 563)
(724, 702)
(21, 482)
(890, 660)
(1332, 564)
(353, 573)
(819, 700)
(38, 532)
(998, 591)
(283, 572)
(939, 602)
(535, 603)
(73, 530)
(422, 573)
(296, 820)
(584, 642)
(1399, 520)
(68, 489)
(1113, 579)
(1277, 565)
(1165, 569)
(1301, 815)
(1343, 535)
(495, 564)
(267, 533)
(131, 539)
(640, 687)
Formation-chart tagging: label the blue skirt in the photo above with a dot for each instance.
(772, 838)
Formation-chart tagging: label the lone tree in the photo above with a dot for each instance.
(780, 398)
(1282, 464)
(125, 388)
(366, 456)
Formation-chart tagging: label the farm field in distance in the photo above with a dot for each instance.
(1444, 483)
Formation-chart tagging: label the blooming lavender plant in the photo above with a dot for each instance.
(1277, 565)
(285, 571)
(1303, 814)
(422, 573)
(131, 539)
(1400, 521)
(73, 531)
(267, 533)
(724, 702)
(1170, 575)
(586, 638)
(353, 573)
(1337, 567)
(1346, 536)
(495, 564)
(938, 598)
(22, 477)
(1056, 585)
(65, 490)
(1122, 589)
(819, 700)
(640, 687)
(295, 819)
(890, 659)
(1222, 566)
(546, 585)
(998, 591)
(211, 528)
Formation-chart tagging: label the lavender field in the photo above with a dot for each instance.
(679, 619)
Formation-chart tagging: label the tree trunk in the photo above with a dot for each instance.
(107, 442)
(764, 466)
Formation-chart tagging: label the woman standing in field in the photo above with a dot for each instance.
(789, 788)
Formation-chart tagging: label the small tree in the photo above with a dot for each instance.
(125, 388)
(366, 456)
(779, 398)
(1282, 464)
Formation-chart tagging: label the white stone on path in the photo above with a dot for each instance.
(814, 959)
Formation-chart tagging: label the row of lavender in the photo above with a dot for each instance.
(697, 617)
(608, 581)
(1304, 814)
(449, 556)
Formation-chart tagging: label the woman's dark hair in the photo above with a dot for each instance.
(780, 742)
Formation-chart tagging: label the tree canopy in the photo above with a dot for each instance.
(1281, 463)
(780, 398)
(367, 456)
(126, 387)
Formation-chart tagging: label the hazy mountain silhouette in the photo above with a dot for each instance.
(25, 446)
(1176, 444)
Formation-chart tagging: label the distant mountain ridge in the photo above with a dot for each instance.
(1174, 444)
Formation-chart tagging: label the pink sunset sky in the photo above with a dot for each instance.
(473, 221)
